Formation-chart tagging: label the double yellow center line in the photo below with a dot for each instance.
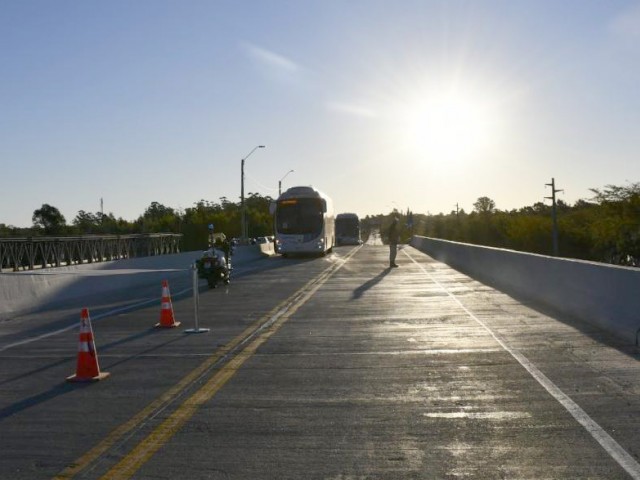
(260, 331)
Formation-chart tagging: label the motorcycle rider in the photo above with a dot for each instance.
(215, 264)
(222, 250)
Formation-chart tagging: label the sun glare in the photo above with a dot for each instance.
(449, 127)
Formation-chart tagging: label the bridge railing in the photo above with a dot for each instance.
(597, 293)
(46, 252)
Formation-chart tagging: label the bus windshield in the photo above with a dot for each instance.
(348, 227)
(299, 216)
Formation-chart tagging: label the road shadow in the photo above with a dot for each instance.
(56, 391)
(595, 332)
(63, 388)
(590, 330)
(101, 349)
(358, 292)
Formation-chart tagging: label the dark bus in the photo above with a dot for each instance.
(347, 229)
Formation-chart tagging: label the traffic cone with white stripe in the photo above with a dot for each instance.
(167, 320)
(87, 368)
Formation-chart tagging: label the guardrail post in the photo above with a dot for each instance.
(196, 301)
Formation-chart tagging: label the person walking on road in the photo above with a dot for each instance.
(394, 235)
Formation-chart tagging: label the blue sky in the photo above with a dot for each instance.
(380, 104)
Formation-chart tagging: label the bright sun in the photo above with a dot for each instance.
(449, 126)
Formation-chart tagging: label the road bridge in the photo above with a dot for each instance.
(44, 252)
(328, 368)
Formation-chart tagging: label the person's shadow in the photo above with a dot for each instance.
(358, 292)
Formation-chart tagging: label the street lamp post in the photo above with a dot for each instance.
(280, 182)
(243, 226)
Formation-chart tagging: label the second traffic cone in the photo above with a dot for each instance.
(87, 368)
(167, 320)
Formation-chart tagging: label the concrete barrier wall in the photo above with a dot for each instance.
(604, 295)
(31, 290)
(267, 248)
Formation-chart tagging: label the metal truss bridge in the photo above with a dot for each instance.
(45, 252)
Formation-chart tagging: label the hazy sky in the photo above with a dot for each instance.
(380, 104)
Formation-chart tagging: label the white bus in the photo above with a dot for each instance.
(304, 222)
(347, 229)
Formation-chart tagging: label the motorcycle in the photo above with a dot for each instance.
(214, 268)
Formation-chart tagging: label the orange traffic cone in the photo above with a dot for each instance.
(87, 369)
(167, 319)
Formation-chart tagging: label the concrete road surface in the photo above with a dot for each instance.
(327, 368)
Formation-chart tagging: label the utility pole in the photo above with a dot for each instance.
(554, 214)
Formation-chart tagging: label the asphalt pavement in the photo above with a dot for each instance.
(326, 368)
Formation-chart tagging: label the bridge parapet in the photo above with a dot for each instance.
(46, 252)
(600, 294)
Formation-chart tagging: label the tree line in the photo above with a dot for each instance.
(193, 222)
(604, 228)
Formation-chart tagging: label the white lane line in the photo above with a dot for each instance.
(108, 313)
(613, 448)
(240, 270)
